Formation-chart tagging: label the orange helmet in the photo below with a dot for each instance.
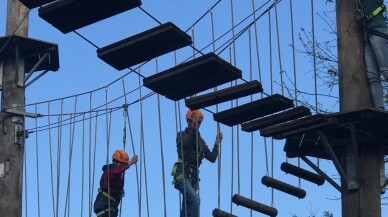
(121, 156)
(190, 113)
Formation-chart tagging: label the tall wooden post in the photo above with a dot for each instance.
(11, 151)
(354, 94)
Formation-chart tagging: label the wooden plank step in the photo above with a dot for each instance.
(253, 205)
(252, 110)
(278, 118)
(69, 15)
(32, 50)
(31, 4)
(192, 77)
(224, 95)
(221, 213)
(277, 130)
(144, 46)
(282, 186)
(302, 173)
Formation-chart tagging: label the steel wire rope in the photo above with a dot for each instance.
(83, 164)
(71, 145)
(94, 157)
(232, 152)
(218, 124)
(132, 144)
(142, 151)
(279, 50)
(59, 150)
(271, 88)
(314, 58)
(161, 148)
(81, 113)
(107, 162)
(51, 159)
(251, 79)
(234, 62)
(37, 163)
(90, 158)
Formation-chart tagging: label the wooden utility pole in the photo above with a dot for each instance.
(12, 127)
(354, 94)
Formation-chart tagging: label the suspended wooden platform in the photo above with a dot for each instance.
(32, 50)
(69, 15)
(224, 95)
(31, 4)
(302, 173)
(221, 213)
(144, 46)
(253, 205)
(282, 186)
(283, 130)
(271, 120)
(252, 110)
(370, 126)
(192, 77)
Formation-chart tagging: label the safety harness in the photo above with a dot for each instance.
(110, 198)
(376, 12)
(189, 168)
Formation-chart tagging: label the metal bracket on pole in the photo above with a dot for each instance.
(332, 155)
(36, 78)
(16, 112)
(352, 161)
(40, 61)
(320, 172)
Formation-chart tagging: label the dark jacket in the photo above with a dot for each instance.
(187, 140)
(368, 6)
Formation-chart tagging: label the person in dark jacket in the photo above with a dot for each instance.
(192, 149)
(112, 184)
(376, 57)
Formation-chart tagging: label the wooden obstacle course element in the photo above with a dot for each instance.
(224, 95)
(295, 126)
(31, 4)
(278, 118)
(220, 213)
(302, 173)
(69, 15)
(252, 110)
(192, 77)
(144, 46)
(253, 205)
(282, 186)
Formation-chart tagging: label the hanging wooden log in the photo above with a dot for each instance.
(253, 205)
(282, 186)
(220, 213)
(302, 173)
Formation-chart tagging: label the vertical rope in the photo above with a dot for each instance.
(90, 158)
(279, 50)
(314, 57)
(83, 163)
(94, 151)
(193, 39)
(132, 142)
(37, 158)
(271, 77)
(59, 150)
(51, 157)
(72, 131)
(107, 141)
(251, 78)
(232, 152)
(161, 147)
(218, 124)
